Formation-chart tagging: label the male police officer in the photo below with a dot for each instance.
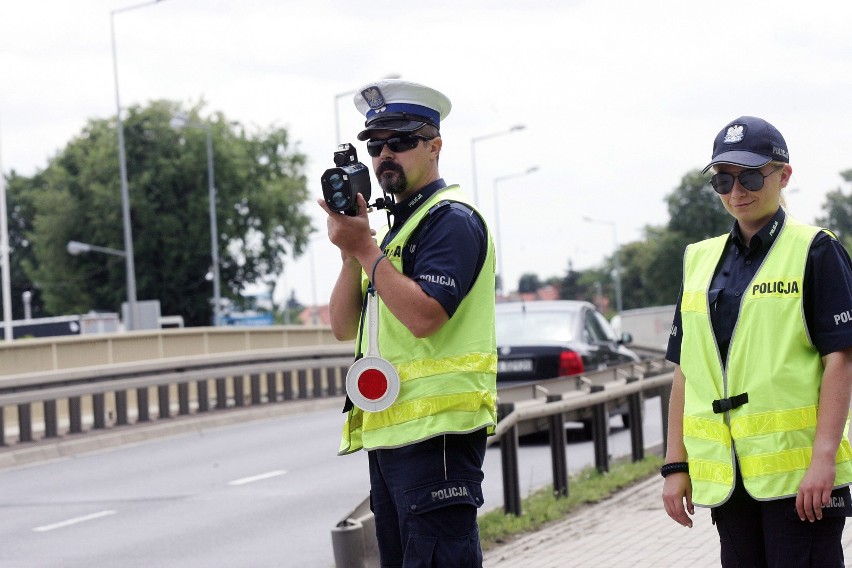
(433, 272)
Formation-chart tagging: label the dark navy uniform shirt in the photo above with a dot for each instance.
(450, 247)
(826, 295)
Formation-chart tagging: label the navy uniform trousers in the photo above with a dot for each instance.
(769, 534)
(425, 498)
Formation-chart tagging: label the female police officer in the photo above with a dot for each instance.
(759, 407)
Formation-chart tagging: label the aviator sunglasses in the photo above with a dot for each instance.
(752, 179)
(396, 144)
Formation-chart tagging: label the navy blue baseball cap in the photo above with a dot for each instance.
(403, 106)
(749, 142)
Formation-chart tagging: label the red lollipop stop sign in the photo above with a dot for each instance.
(372, 384)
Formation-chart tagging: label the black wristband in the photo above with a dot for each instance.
(373, 273)
(674, 467)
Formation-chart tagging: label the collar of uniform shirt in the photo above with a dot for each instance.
(403, 210)
(763, 238)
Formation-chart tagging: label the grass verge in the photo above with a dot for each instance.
(587, 486)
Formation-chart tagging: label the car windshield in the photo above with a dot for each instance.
(532, 327)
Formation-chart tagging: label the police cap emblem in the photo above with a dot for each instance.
(735, 134)
(374, 97)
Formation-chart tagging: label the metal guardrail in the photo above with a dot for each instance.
(183, 387)
(39, 355)
(557, 409)
(61, 398)
(555, 401)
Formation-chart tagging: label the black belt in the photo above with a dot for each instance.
(726, 404)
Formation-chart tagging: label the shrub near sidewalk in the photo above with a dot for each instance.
(587, 486)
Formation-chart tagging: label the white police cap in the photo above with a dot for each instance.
(395, 104)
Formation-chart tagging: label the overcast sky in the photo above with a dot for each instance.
(619, 99)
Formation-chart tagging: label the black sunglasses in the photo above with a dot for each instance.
(396, 144)
(752, 179)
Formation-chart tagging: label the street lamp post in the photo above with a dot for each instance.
(616, 259)
(122, 164)
(182, 121)
(501, 267)
(4, 258)
(75, 248)
(27, 299)
(337, 98)
(314, 314)
(473, 142)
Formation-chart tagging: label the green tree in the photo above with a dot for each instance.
(838, 208)
(661, 266)
(260, 189)
(569, 286)
(651, 269)
(694, 209)
(695, 214)
(634, 289)
(528, 282)
(20, 211)
(596, 282)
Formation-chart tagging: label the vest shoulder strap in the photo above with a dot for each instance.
(415, 234)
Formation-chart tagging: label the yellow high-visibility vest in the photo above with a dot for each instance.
(771, 358)
(448, 380)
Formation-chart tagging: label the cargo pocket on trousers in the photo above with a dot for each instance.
(442, 524)
(428, 498)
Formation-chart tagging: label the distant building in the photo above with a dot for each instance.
(315, 315)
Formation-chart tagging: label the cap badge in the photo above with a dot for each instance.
(374, 97)
(734, 134)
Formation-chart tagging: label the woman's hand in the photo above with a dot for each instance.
(677, 498)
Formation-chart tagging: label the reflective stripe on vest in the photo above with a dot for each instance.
(448, 379)
(771, 357)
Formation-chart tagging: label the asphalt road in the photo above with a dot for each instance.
(263, 493)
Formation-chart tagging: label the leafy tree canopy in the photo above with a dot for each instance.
(529, 282)
(260, 187)
(694, 209)
(651, 269)
(838, 208)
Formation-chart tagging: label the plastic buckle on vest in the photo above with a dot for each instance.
(726, 404)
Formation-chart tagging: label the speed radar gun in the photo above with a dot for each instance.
(372, 383)
(341, 184)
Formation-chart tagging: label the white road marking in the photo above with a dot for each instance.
(74, 521)
(259, 477)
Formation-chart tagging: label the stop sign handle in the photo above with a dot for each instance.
(372, 382)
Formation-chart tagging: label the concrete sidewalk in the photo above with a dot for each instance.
(628, 530)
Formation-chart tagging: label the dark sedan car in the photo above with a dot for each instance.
(546, 339)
